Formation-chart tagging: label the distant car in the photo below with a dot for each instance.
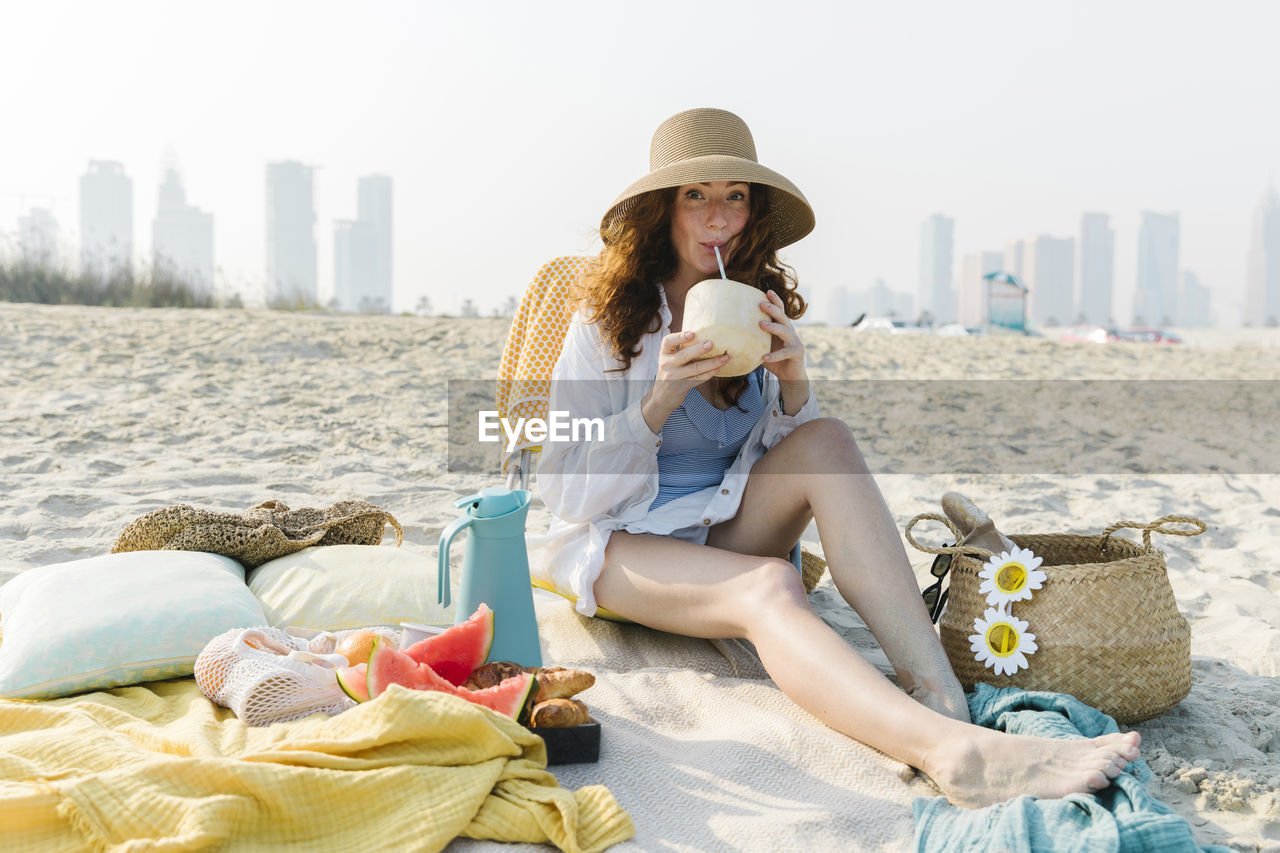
(875, 324)
(1087, 334)
(952, 330)
(1144, 335)
(907, 327)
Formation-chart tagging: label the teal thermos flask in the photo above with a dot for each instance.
(495, 571)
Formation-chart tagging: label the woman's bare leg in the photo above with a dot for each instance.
(706, 591)
(818, 472)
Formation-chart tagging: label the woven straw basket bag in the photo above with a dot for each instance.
(1106, 624)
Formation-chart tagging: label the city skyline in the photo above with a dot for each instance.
(1070, 279)
(506, 141)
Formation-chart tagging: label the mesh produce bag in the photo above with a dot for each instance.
(266, 675)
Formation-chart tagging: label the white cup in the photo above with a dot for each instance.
(412, 632)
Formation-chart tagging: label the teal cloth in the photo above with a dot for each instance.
(1122, 817)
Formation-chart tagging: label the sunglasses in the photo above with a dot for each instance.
(935, 597)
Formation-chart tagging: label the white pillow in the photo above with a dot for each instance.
(116, 619)
(335, 587)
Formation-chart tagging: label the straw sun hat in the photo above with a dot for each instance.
(715, 145)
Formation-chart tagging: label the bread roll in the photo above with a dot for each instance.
(559, 683)
(559, 714)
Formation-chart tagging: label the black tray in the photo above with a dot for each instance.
(571, 746)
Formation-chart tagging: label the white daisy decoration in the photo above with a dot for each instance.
(1010, 576)
(1002, 642)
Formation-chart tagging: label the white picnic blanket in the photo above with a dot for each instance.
(707, 754)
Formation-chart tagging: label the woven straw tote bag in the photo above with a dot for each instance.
(1106, 623)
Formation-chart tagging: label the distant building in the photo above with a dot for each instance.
(362, 260)
(1046, 267)
(353, 268)
(883, 302)
(38, 238)
(106, 219)
(182, 237)
(936, 294)
(291, 241)
(1262, 294)
(844, 306)
(972, 297)
(879, 299)
(1155, 301)
(1194, 304)
(374, 207)
(1013, 258)
(1097, 269)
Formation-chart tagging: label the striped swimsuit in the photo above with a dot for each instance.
(699, 441)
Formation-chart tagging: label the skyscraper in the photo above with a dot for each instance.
(936, 295)
(880, 300)
(374, 207)
(1194, 308)
(106, 219)
(362, 260)
(1046, 265)
(1262, 295)
(291, 241)
(1156, 299)
(182, 237)
(1097, 269)
(1013, 258)
(353, 267)
(972, 307)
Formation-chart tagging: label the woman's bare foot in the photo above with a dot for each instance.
(980, 766)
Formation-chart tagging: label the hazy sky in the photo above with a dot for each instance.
(509, 127)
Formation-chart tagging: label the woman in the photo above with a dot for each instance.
(692, 537)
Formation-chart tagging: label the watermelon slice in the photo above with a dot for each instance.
(456, 653)
(389, 666)
(354, 681)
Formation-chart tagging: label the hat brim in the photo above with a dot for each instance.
(790, 211)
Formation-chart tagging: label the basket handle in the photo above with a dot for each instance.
(945, 549)
(1158, 526)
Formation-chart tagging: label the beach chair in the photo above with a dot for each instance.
(529, 354)
(524, 376)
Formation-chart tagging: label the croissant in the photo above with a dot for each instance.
(559, 683)
(559, 714)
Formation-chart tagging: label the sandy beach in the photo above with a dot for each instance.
(111, 413)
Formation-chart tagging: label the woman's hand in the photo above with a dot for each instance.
(683, 364)
(786, 358)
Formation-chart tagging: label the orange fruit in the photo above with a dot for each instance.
(357, 646)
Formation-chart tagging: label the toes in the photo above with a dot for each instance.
(1097, 780)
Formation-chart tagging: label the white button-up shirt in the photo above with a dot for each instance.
(594, 487)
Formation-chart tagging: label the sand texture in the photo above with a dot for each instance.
(110, 413)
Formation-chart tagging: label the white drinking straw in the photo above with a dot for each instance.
(720, 262)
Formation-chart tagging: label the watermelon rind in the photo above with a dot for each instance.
(354, 681)
(389, 666)
(460, 650)
(511, 700)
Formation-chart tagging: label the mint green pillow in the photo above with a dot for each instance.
(116, 619)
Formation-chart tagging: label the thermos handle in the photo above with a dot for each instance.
(442, 571)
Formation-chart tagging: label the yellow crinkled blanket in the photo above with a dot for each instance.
(159, 767)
